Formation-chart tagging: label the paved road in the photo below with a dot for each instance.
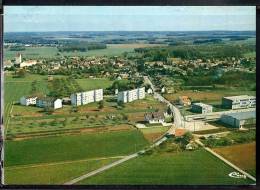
(178, 118)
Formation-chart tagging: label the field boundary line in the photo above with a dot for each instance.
(225, 160)
(59, 163)
(8, 118)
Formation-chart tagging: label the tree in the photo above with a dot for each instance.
(169, 111)
(120, 103)
(101, 104)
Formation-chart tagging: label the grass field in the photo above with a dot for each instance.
(185, 168)
(72, 147)
(242, 155)
(90, 84)
(52, 173)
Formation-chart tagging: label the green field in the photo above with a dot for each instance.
(185, 168)
(90, 84)
(73, 147)
(52, 173)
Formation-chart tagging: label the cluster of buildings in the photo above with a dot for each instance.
(131, 95)
(42, 102)
(82, 98)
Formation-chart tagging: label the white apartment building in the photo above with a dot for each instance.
(82, 98)
(87, 97)
(98, 95)
(131, 95)
(76, 99)
(28, 100)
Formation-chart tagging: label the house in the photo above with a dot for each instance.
(28, 100)
(150, 91)
(45, 102)
(201, 108)
(184, 101)
(28, 63)
(66, 100)
(239, 119)
(8, 64)
(237, 102)
(154, 117)
(163, 90)
(179, 132)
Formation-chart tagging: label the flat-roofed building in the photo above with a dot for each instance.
(82, 98)
(51, 102)
(28, 100)
(141, 93)
(122, 96)
(236, 102)
(131, 95)
(239, 119)
(201, 108)
(76, 99)
(87, 97)
(98, 95)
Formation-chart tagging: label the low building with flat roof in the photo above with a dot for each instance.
(201, 108)
(237, 102)
(239, 119)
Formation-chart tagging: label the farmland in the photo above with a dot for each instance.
(153, 133)
(73, 147)
(184, 168)
(52, 173)
(242, 155)
(52, 52)
(210, 96)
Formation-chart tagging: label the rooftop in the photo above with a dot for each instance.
(201, 104)
(238, 97)
(154, 115)
(243, 115)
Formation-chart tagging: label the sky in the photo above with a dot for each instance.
(128, 18)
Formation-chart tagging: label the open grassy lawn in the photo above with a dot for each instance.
(185, 168)
(242, 155)
(52, 173)
(72, 147)
(91, 84)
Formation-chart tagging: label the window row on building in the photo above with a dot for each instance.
(131, 95)
(82, 98)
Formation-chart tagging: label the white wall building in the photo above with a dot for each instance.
(236, 102)
(131, 95)
(75, 99)
(82, 98)
(98, 95)
(28, 100)
(44, 102)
